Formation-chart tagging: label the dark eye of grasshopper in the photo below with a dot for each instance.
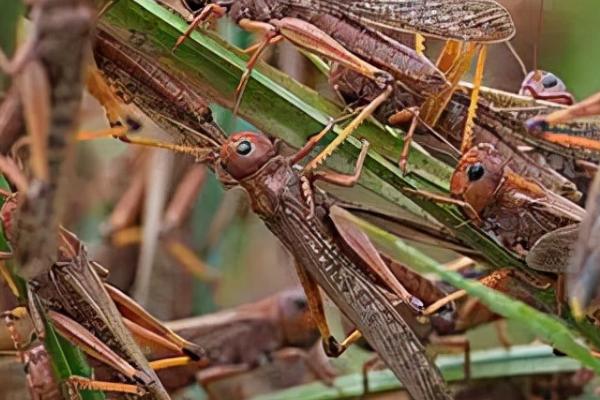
(244, 148)
(475, 172)
(301, 304)
(549, 81)
(194, 5)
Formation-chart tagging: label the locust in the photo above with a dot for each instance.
(447, 313)
(49, 83)
(521, 214)
(350, 33)
(239, 340)
(582, 269)
(40, 380)
(88, 312)
(490, 126)
(298, 214)
(515, 210)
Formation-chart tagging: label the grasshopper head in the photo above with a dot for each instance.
(545, 85)
(195, 5)
(297, 324)
(477, 176)
(245, 153)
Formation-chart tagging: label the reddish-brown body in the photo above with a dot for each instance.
(502, 129)
(511, 208)
(247, 335)
(41, 382)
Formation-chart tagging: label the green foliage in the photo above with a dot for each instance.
(519, 360)
(10, 15)
(550, 329)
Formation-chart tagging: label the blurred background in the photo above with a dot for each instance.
(211, 252)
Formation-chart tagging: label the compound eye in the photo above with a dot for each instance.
(475, 172)
(194, 5)
(301, 304)
(549, 81)
(244, 148)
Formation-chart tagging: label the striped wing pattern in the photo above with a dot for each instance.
(468, 20)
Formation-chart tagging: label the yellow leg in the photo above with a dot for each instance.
(419, 44)
(80, 382)
(364, 114)
(170, 363)
(315, 303)
(467, 141)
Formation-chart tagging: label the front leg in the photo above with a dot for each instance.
(332, 347)
(343, 179)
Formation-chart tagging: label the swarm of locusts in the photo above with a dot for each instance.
(500, 183)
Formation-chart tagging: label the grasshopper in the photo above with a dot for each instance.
(523, 215)
(490, 125)
(40, 380)
(50, 86)
(349, 33)
(241, 339)
(82, 308)
(515, 210)
(298, 214)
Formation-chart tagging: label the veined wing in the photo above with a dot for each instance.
(468, 20)
(584, 269)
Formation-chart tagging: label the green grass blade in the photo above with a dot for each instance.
(550, 329)
(486, 364)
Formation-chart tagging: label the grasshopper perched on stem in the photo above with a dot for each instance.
(349, 33)
(297, 214)
(525, 216)
(82, 308)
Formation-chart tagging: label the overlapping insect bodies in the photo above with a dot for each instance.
(40, 379)
(515, 210)
(298, 215)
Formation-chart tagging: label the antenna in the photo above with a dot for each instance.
(538, 40)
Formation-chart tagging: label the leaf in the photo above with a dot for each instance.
(12, 11)
(548, 328)
(495, 363)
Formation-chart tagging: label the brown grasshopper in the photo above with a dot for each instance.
(490, 126)
(241, 339)
(82, 308)
(297, 214)
(41, 382)
(349, 33)
(515, 210)
(582, 274)
(523, 215)
(448, 313)
(80, 303)
(50, 85)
